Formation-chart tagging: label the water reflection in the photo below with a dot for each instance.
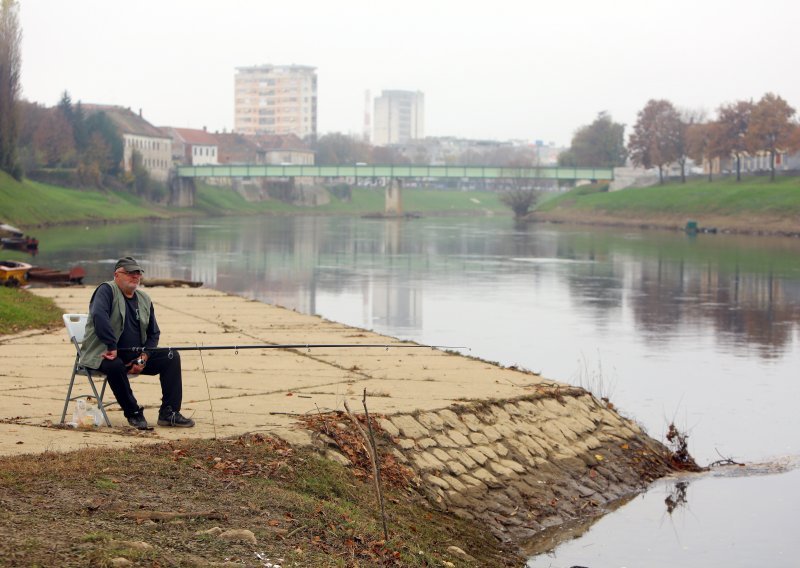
(667, 283)
(733, 522)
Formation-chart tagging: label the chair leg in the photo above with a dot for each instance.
(69, 390)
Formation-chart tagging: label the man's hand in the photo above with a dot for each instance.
(110, 355)
(137, 365)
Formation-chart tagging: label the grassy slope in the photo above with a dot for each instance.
(29, 203)
(220, 200)
(728, 203)
(21, 310)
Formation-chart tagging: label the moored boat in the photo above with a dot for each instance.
(26, 244)
(74, 275)
(13, 273)
(14, 239)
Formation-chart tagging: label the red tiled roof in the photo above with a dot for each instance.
(196, 137)
(236, 149)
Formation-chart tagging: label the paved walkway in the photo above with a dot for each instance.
(229, 393)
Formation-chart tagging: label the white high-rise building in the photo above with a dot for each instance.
(399, 117)
(276, 99)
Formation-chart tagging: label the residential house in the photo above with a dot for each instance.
(758, 162)
(234, 148)
(193, 147)
(285, 149)
(276, 149)
(138, 135)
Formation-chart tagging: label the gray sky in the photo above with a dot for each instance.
(499, 69)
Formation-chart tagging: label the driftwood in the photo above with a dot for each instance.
(171, 516)
(170, 283)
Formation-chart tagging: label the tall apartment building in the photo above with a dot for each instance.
(276, 99)
(399, 117)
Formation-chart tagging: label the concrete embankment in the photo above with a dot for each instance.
(522, 465)
(495, 445)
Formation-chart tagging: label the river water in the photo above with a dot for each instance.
(703, 332)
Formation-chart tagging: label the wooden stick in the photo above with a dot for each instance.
(376, 463)
(373, 459)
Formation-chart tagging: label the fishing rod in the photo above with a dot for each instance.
(307, 346)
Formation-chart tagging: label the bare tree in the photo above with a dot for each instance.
(10, 70)
(688, 119)
(734, 121)
(340, 149)
(794, 140)
(521, 196)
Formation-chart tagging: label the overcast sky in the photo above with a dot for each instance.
(499, 69)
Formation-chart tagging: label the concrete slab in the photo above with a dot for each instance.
(230, 393)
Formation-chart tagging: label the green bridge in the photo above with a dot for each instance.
(394, 172)
(184, 188)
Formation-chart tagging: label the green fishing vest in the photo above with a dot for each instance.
(92, 348)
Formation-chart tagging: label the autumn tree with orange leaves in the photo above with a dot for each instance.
(705, 143)
(771, 127)
(657, 136)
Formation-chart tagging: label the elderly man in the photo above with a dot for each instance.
(121, 317)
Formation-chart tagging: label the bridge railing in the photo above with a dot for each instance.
(394, 171)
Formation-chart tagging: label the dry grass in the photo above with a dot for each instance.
(77, 509)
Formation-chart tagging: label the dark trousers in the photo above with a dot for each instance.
(166, 364)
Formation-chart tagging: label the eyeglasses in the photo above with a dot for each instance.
(131, 273)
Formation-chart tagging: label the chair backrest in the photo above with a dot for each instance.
(76, 326)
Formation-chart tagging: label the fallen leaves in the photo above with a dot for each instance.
(338, 429)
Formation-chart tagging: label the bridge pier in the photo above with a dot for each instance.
(393, 204)
(182, 191)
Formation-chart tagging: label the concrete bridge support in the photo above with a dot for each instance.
(182, 192)
(394, 203)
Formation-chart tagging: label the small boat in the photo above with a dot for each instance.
(7, 230)
(13, 273)
(74, 275)
(14, 239)
(25, 244)
(170, 283)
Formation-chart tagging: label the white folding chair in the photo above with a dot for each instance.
(76, 329)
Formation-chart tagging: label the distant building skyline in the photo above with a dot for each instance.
(276, 99)
(399, 117)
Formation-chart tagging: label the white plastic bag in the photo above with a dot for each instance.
(84, 415)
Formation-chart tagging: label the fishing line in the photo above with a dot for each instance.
(208, 390)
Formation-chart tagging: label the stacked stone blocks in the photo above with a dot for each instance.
(525, 464)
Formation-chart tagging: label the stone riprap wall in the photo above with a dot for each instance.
(524, 465)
